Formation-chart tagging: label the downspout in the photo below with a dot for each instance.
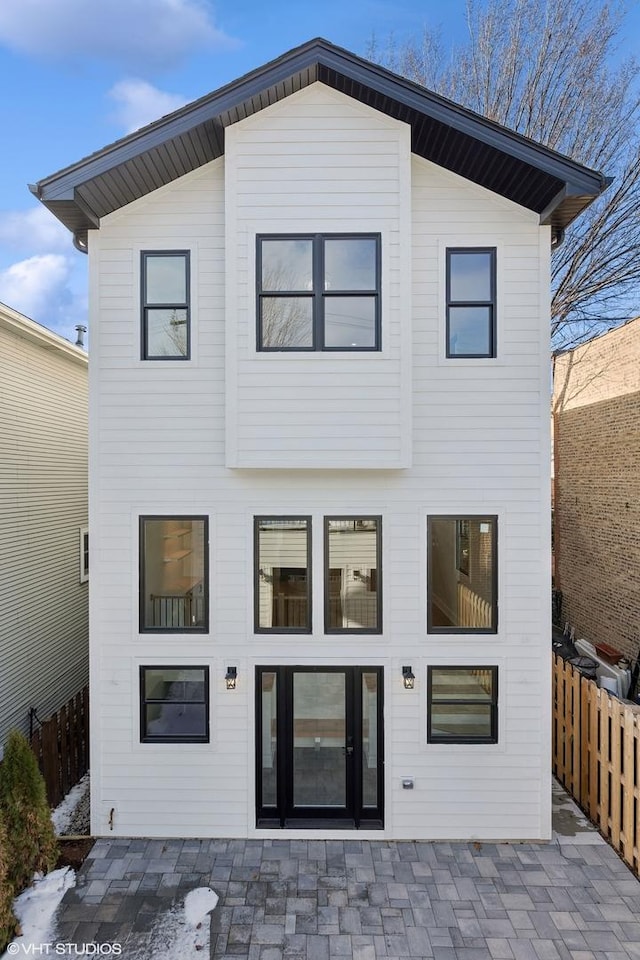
(80, 241)
(557, 238)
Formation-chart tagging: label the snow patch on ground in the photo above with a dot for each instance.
(35, 909)
(184, 928)
(63, 813)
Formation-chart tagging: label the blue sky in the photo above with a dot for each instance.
(77, 74)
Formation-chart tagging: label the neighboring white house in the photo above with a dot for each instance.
(319, 460)
(44, 602)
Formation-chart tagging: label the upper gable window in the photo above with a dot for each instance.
(165, 305)
(319, 292)
(471, 302)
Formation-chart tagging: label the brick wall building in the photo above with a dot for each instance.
(596, 414)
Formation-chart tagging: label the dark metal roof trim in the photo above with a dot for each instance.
(449, 135)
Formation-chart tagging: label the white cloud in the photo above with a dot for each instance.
(136, 34)
(33, 231)
(41, 288)
(139, 103)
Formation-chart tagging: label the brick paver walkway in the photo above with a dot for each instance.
(317, 900)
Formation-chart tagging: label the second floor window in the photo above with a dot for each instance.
(462, 582)
(471, 302)
(283, 574)
(318, 292)
(165, 305)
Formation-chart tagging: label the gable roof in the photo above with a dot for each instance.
(552, 185)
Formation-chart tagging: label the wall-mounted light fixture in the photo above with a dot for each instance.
(231, 676)
(408, 678)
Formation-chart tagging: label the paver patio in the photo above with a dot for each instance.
(572, 899)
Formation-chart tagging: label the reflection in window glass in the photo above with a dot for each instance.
(350, 263)
(165, 305)
(462, 567)
(166, 278)
(319, 292)
(283, 582)
(369, 740)
(463, 704)
(352, 600)
(287, 322)
(174, 704)
(471, 303)
(173, 588)
(350, 322)
(287, 265)
(269, 746)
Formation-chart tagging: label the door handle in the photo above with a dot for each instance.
(348, 751)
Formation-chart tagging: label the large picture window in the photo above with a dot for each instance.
(318, 292)
(353, 581)
(282, 589)
(462, 705)
(471, 302)
(174, 704)
(165, 305)
(462, 574)
(174, 574)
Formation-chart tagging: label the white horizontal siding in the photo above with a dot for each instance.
(479, 444)
(44, 643)
(321, 163)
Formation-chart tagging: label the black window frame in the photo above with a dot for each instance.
(256, 574)
(370, 631)
(318, 295)
(141, 573)
(146, 738)
(491, 303)
(144, 306)
(493, 736)
(456, 630)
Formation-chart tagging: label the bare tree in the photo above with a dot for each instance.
(544, 68)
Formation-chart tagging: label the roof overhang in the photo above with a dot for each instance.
(550, 184)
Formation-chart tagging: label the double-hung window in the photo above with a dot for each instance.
(471, 302)
(462, 704)
(165, 305)
(174, 704)
(318, 292)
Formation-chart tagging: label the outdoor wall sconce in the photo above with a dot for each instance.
(231, 676)
(408, 678)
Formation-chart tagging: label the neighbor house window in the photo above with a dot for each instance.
(174, 574)
(462, 574)
(462, 705)
(165, 305)
(319, 292)
(84, 554)
(282, 588)
(471, 302)
(174, 704)
(353, 595)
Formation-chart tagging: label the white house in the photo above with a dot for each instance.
(44, 589)
(319, 460)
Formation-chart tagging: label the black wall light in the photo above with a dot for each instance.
(408, 678)
(231, 676)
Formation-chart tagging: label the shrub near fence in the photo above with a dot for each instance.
(596, 757)
(61, 745)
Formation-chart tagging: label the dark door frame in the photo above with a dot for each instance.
(283, 814)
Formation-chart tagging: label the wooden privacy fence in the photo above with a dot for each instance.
(596, 757)
(61, 745)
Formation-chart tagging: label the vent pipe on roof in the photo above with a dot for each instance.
(81, 330)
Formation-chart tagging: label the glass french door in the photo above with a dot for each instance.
(319, 746)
